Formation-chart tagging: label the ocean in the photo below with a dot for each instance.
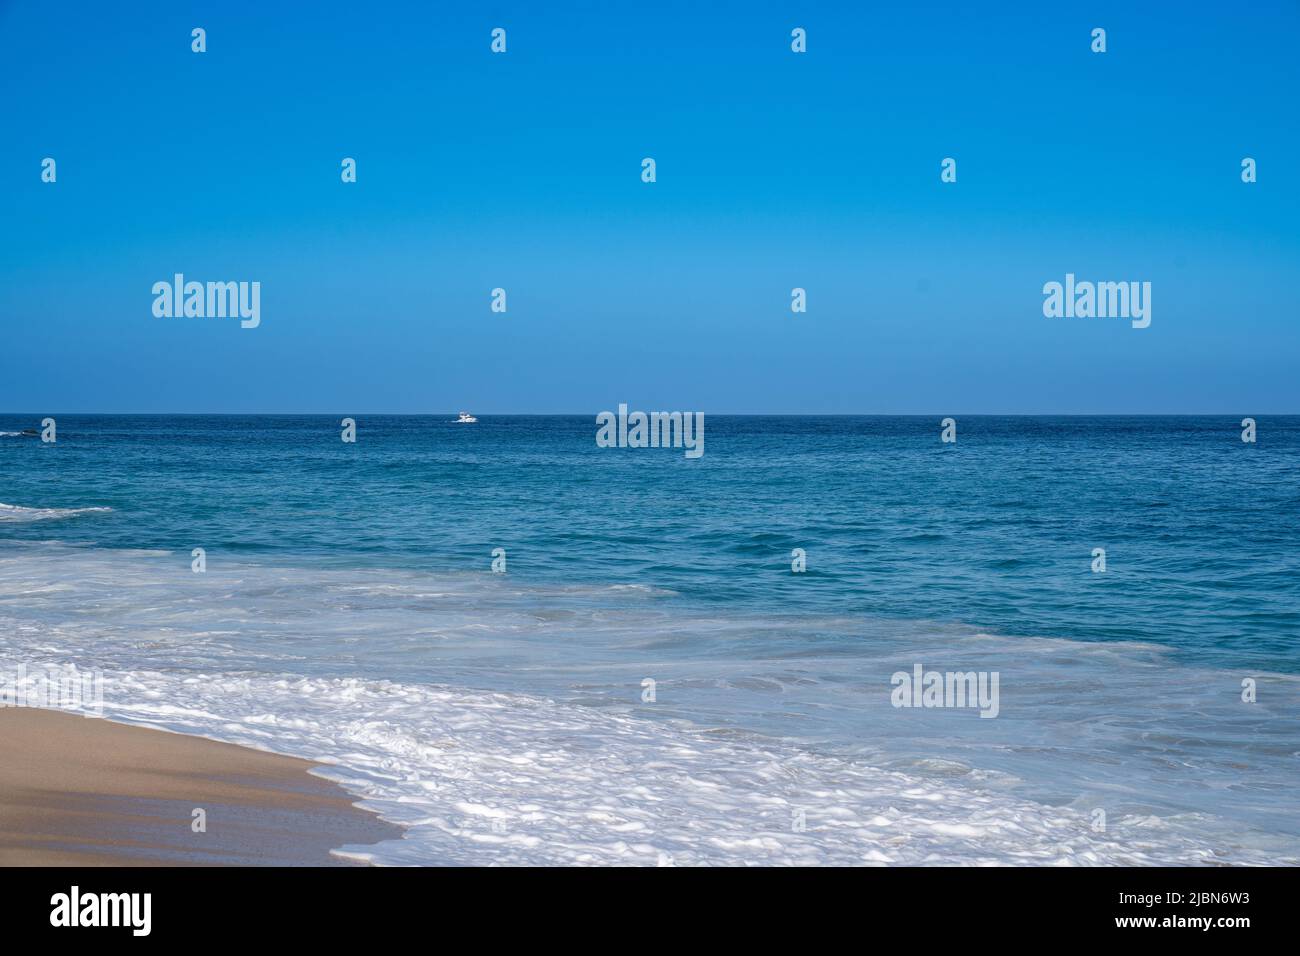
(649, 681)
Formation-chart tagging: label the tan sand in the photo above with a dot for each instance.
(81, 791)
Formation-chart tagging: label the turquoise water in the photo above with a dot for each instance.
(372, 561)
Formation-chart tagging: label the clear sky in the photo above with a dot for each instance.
(523, 171)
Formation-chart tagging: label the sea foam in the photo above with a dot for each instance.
(289, 660)
(19, 513)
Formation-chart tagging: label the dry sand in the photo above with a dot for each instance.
(82, 791)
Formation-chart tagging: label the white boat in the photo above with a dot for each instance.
(466, 419)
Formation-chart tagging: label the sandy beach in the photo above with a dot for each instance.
(86, 791)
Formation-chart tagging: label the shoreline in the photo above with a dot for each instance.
(486, 764)
(86, 791)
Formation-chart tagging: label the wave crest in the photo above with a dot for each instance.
(19, 513)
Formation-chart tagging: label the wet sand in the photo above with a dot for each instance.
(81, 791)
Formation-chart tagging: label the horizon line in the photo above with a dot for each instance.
(331, 414)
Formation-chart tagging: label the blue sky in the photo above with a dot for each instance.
(775, 170)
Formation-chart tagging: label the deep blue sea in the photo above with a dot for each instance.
(349, 612)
